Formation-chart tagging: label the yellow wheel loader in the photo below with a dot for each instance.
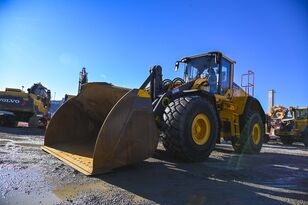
(32, 107)
(295, 128)
(106, 126)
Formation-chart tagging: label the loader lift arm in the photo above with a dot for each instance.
(161, 100)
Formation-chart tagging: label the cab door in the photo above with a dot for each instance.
(228, 116)
(301, 119)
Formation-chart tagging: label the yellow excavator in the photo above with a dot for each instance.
(107, 126)
(32, 106)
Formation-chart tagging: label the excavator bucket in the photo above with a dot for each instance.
(103, 128)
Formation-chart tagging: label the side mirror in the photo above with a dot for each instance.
(177, 64)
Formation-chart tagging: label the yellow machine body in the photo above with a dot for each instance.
(105, 126)
(231, 109)
(24, 106)
(37, 101)
(300, 121)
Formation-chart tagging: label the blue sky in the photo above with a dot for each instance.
(118, 41)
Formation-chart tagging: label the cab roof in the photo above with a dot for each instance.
(299, 108)
(209, 54)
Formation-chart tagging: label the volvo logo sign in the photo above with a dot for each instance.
(11, 101)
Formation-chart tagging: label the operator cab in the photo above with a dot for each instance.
(214, 67)
(41, 92)
(299, 113)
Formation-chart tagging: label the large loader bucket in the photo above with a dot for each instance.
(103, 128)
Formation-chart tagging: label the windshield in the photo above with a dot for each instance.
(217, 76)
(202, 67)
(39, 90)
(301, 113)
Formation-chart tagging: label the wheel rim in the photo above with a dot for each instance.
(256, 134)
(201, 129)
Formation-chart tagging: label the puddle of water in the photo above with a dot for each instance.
(28, 199)
(72, 190)
(24, 187)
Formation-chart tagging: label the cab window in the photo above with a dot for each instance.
(225, 76)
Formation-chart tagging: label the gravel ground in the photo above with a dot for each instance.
(279, 175)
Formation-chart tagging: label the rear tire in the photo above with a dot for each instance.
(9, 121)
(252, 135)
(286, 140)
(191, 128)
(33, 122)
(12, 123)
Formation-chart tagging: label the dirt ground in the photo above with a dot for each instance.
(279, 175)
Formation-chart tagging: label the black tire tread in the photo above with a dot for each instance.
(33, 122)
(171, 139)
(242, 145)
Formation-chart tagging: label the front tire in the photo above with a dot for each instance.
(191, 128)
(252, 135)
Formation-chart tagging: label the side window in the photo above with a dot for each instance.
(225, 76)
